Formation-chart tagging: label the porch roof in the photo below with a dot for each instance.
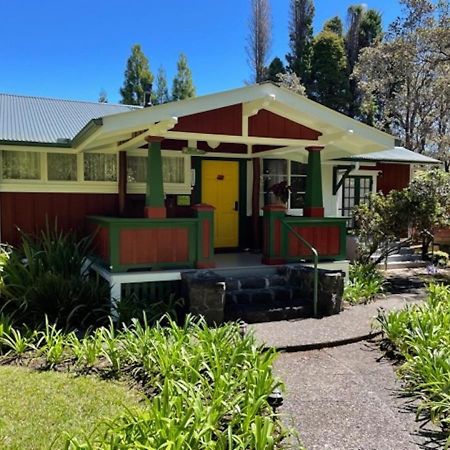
(394, 155)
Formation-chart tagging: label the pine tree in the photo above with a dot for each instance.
(161, 94)
(137, 77)
(334, 25)
(301, 39)
(183, 86)
(275, 67)
(364, 29)
(259, 38)
(329, 68)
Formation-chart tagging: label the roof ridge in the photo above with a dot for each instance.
(67, 100)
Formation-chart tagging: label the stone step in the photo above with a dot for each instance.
(286, 295)
(261, 313)
(254, 282)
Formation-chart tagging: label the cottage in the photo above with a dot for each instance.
(172, 186)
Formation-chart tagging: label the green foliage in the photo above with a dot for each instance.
(419, 335)
(275, 67)
(137, 77)
(380, 223)
(439, 258)
(131, 307)
(330, 85)
(207, 387)
(183, 86)
(429, 204)
(334, 25)
(161, 94)
(365, 284)
(48, 277)
(370, 28)
(301, 39)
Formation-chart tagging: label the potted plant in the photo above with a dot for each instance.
(281, 191)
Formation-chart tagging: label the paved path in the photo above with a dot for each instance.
(343, 398)
(352, 324)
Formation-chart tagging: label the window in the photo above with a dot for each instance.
(172, 166)
(61, 167)
(100, 167)
(355, 191)
(278, 170)
(21, 165)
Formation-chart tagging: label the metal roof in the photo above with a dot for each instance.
(396, 154)
(47, 120)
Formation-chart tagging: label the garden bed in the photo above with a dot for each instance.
(206, 387)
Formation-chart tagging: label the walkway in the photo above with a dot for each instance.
(352, 324)
(345, 397)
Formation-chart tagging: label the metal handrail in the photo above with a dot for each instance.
(316, 262)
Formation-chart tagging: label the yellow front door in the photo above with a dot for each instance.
(220, 188)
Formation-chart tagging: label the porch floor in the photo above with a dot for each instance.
(241, 259)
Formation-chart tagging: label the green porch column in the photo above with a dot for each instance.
(313, 196)
(154, 196)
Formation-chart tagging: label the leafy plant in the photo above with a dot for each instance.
(281, 190)
(18, 342)
(48, 276)
(439, 258)
(419, 335)
(365, 283)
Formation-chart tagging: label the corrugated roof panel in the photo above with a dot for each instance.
(396, 154)
(45, 120)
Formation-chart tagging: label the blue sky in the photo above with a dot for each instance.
(74, 49)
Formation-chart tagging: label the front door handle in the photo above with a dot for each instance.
(236, 206)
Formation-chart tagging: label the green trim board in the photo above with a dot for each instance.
(115, 225)
(313, 194)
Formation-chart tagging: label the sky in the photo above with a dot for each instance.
(74, 49)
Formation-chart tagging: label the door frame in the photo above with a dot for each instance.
(196, 164)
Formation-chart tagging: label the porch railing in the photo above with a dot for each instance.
(315, 261)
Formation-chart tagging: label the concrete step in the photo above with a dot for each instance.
(405, 264)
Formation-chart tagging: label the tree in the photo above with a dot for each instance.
(138, 77)
(429, 205)
(183, 86)
(404, 80)
(291, 81)
(363, 30)
(259, 38)
(329, 68)
(103, 96)
(161, 94)
(334, 25)
(301, 39)
(421, 208)
(275, 67)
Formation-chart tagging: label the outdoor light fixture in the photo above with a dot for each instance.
(275, 399)
(192, 151)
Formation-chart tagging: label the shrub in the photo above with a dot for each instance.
(365, 283)
(439, 258)
(48, 276)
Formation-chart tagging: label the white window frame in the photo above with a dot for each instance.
(290, 211)
(183, 188)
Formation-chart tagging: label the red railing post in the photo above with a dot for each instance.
(205, 236)
(272, 234)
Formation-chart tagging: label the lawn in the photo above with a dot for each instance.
(36, 407)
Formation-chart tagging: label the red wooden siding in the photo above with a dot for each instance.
(268, 124)
(30, 211)
(324, 238)
(154, 245)
(392, 177)
(223, 147)
(227, 120)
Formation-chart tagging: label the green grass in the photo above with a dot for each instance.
(36, 407)
(207, 387)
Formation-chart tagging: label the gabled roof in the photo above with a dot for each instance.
(48, 120)
(394, 155)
